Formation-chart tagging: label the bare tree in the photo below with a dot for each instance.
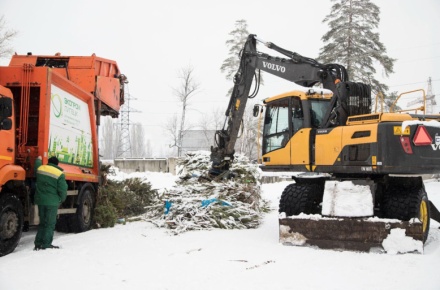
(148, 149)
(247, 141)
(137, 136)
(211, 122)
(248, 138)
(6, 37)
(109, 138)
(187, 88)
(172, 129)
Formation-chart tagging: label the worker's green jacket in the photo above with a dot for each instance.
(51, 184)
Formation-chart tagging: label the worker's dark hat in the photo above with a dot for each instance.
(53, 160)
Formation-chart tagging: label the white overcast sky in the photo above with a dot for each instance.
(152, 40)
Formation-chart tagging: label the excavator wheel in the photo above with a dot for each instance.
(405, 200)
(301, 198)
(424, 216)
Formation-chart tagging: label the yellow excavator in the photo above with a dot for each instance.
(357, 174)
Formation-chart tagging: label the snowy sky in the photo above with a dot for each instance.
(152, 42)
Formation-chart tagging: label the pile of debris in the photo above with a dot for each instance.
(196, 202)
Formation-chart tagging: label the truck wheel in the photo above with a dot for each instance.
(11, 223)
(82, 220)
(407, 203)
(301, 198)
(63, 223)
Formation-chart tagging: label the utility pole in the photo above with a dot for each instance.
(124, 145)
(430, 97)
(431, 107)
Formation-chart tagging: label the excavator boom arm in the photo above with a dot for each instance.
(296, 68)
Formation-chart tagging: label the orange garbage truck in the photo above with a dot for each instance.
(51, 106)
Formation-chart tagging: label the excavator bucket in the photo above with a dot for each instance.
(357, 234)
(346, 221)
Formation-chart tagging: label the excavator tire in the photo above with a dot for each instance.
(405, 201)
(301, 198)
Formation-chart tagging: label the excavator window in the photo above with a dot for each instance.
(277, 128)
(318, 108)
(297, 114)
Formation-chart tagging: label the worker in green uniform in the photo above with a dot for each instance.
(51, 191)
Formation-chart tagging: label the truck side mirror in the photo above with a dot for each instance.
(5, 107)
(6, 124)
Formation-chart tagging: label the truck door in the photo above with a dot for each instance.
(7, 131)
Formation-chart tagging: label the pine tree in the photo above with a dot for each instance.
(235, 44)
(238, 38)
(352, 42)
(389, 102)
(247, 143)
(383, 103)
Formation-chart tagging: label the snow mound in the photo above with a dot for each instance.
(397, 242)
(295, 239)
(345, 199)
(158, 180)
(195, 203)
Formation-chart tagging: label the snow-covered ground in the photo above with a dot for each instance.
(139, 255)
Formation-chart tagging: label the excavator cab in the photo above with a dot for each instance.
(290, 121)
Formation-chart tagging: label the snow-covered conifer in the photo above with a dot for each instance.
(353, 41)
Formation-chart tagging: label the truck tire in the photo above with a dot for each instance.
(301, 198)
(63, 223)
(405, 203)
(82, 220)
(11, 223)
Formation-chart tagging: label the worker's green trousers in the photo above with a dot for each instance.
(48, 219)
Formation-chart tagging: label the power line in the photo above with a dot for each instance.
(418, 59)
(405, 47)
(416, 83)
(124, 146)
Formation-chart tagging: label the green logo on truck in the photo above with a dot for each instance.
(56, 105)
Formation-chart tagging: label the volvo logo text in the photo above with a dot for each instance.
(275, 67)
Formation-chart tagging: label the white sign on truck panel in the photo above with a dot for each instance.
(70, 137)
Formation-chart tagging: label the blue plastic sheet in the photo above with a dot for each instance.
(207, 202)
(167, 206)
